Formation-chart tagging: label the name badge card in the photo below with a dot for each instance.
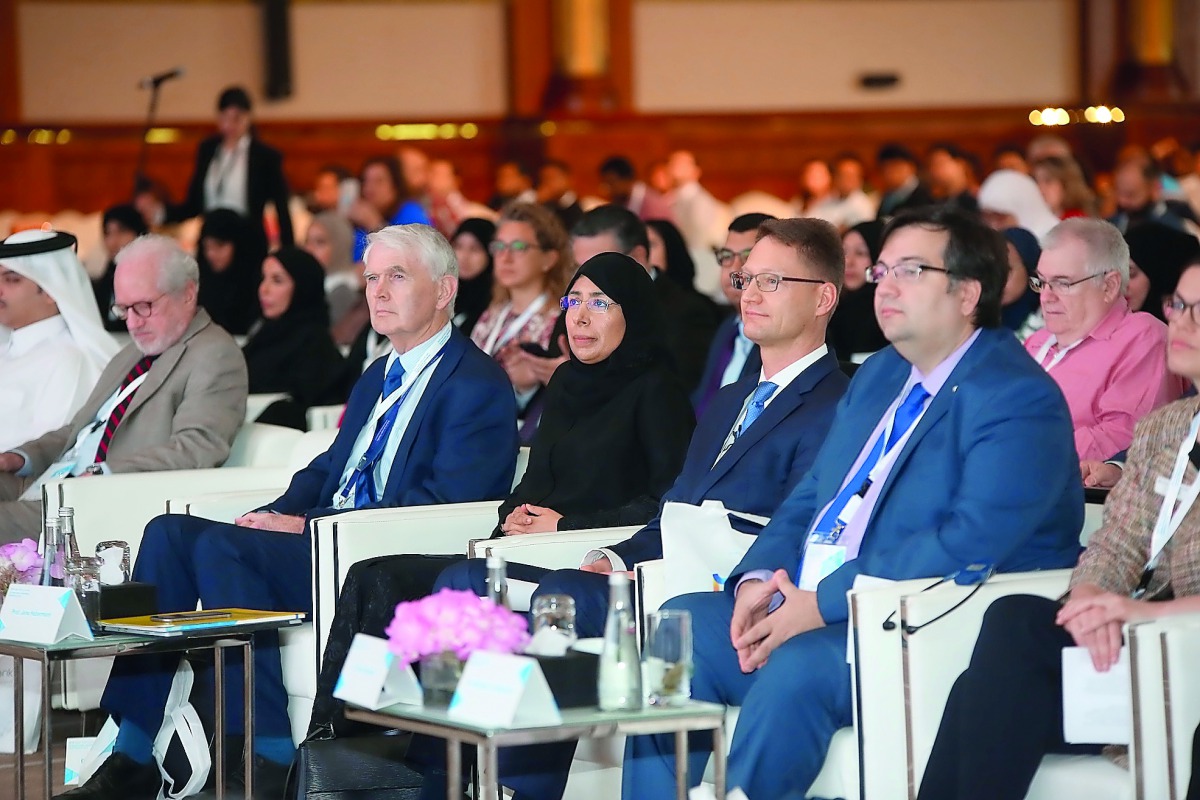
(373, 678)
(42, 615)
(505, 690)
(1097, 706)
(820, 560)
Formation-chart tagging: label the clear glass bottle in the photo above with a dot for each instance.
(497, 580)
(53, 554)
(66, 524)
(620, 679)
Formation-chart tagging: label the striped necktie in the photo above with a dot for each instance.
(118, 413)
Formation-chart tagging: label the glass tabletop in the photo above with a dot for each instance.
(571, 717)
(107, 643)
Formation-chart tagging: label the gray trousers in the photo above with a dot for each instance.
(18, 518)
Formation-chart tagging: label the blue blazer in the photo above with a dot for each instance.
(725, 333)
(461, 445)
(965, 489)
(763, 465)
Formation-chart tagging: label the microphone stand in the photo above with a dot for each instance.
(139, 176)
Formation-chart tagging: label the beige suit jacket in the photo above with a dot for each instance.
(184, 416)
(1116, 554)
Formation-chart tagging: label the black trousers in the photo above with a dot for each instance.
(367, 605)
(1193, 792)
(1005, 711)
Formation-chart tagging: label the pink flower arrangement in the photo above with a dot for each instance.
(457, 622)
(19, 563)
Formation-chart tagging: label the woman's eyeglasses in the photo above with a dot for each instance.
(1175, 308)
(597, 304)
(498, 247)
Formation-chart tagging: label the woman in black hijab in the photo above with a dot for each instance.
(1157, 256)
(470, 242)
(676, 262)
(122, 224)
(612, 440)
(289, 349)
(230, 257)
(854, 329)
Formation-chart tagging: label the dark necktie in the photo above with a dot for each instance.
(118, 413)
(363, 477)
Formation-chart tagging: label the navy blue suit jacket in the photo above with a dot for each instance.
(459, 447)
(720, 342)
(762, 465)
(964, 489)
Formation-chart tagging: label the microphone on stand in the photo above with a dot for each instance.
(157, 80)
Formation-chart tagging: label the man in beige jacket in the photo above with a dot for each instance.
(172, 399)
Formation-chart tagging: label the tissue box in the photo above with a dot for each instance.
(128, 600)
(572, 678)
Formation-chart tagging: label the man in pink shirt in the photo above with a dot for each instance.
(1109, 362)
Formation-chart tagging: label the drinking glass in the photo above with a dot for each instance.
(667, 658)
(554, 611)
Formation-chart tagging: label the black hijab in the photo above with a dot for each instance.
(1013, 315)
(854, 328)
(587, 387)
(474, 294)
(1160, 252)
(308, 306)
(231, 296)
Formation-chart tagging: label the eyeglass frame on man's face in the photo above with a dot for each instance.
(1060, 285)
(773, 281)
(142, 309)
(905, 271)
(725, 256)
(595, 304)
(517, 246)
(1176, 306)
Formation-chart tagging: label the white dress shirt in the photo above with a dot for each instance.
(44, 379)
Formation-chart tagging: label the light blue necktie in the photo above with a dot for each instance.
(758, 403)
(363, 477)
(906, 415)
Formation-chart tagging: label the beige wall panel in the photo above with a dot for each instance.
(763, 55)
(81, 61)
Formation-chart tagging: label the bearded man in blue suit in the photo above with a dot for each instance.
(926, 470)
(433, 422)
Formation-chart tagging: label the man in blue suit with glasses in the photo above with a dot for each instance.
(926, 469)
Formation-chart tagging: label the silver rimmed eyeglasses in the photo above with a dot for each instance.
(766, 281)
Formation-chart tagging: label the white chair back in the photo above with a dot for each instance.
(259, 445)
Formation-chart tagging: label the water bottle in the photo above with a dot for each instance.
(66, 524)
(620, 680)
(497, 580)
(53, 554)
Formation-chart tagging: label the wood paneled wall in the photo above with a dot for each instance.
(738, 152)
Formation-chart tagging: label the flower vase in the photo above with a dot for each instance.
(439, 678)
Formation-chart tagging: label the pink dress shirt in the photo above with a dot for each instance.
(1112, 378)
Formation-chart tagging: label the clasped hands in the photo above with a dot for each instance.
(1094, 618)
(754, 633)
(266, 521)
(528, 518)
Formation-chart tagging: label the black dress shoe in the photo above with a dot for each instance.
(118, 778)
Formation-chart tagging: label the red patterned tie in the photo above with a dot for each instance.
(118, 413)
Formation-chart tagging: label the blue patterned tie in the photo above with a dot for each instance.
(906, 414)
(363, 477)
(758, 403)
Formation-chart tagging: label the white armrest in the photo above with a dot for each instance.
(223, 506)
(119, 506)
(258, 403)
(559, 550)
(259, 445)
(935, 655)
(342, 540)
(1164, 654)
